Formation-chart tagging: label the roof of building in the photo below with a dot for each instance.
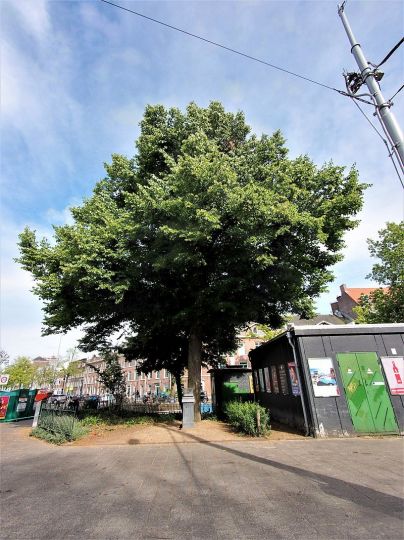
(385, 328)
(333, 330)
(318, 320)
(356, 292)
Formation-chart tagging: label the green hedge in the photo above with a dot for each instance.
(244, 417)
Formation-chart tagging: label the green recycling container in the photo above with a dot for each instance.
(17, 404)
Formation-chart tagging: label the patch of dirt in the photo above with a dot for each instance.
(205, 431)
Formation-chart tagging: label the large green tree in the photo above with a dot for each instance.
(46, 376)
(385, 306)
(22, 373)
(205, 227)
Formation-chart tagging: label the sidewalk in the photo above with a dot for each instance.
(245, 490)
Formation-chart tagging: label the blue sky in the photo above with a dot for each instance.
(77, 75)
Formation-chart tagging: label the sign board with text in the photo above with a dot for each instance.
(394, 369)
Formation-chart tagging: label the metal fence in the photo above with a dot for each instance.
(57, 420)
(153, 408)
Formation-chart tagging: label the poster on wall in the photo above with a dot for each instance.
(267, 380)
(294, 381)
(323, 378)
(283, 380)
(22, 404)
(256, 385)
(3, 406)
(394, 369)
(261, 379)
(274, 376)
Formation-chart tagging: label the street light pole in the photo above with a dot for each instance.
(367, 74)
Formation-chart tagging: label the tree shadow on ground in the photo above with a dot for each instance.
(360, 495)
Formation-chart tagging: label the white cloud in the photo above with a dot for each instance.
(72, 94)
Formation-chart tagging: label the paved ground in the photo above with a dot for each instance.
(325, 489)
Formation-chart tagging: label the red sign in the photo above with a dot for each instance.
(394, 370)
(3, 406)
(42, 394)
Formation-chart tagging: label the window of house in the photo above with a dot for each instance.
(149, 375)
(157, 374)
(128, 375)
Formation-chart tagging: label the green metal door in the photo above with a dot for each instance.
(368, 400)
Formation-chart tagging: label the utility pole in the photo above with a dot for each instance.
(369, 76)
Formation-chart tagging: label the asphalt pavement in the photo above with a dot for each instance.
(324, 489)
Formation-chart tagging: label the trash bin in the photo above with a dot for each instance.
(17, 404)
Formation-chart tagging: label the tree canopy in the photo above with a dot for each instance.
(206, 227)
(382, 306)
(22, 373)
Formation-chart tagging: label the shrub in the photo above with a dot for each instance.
(58, 427)
(60, 437)
(244, 418)
(54, 438)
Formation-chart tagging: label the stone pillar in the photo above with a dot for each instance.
(188, 401)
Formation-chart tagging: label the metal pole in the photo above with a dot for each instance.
(387, 119)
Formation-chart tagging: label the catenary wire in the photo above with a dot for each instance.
(292, 73)
(383, 139)
(230, 49)
(399, 90)
(393, 50)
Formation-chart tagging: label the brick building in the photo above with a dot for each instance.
(249, 338)
(349, 299)
(137, 384)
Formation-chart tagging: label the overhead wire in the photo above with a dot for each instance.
(273, 66)
(393, 50)
(399, 90)
(384, 140)
(235, 51)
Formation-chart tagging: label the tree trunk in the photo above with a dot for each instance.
(194, 371)
(177, 376)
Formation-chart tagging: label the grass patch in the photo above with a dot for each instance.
(209, 416)
(249, 418)
(104, 418)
